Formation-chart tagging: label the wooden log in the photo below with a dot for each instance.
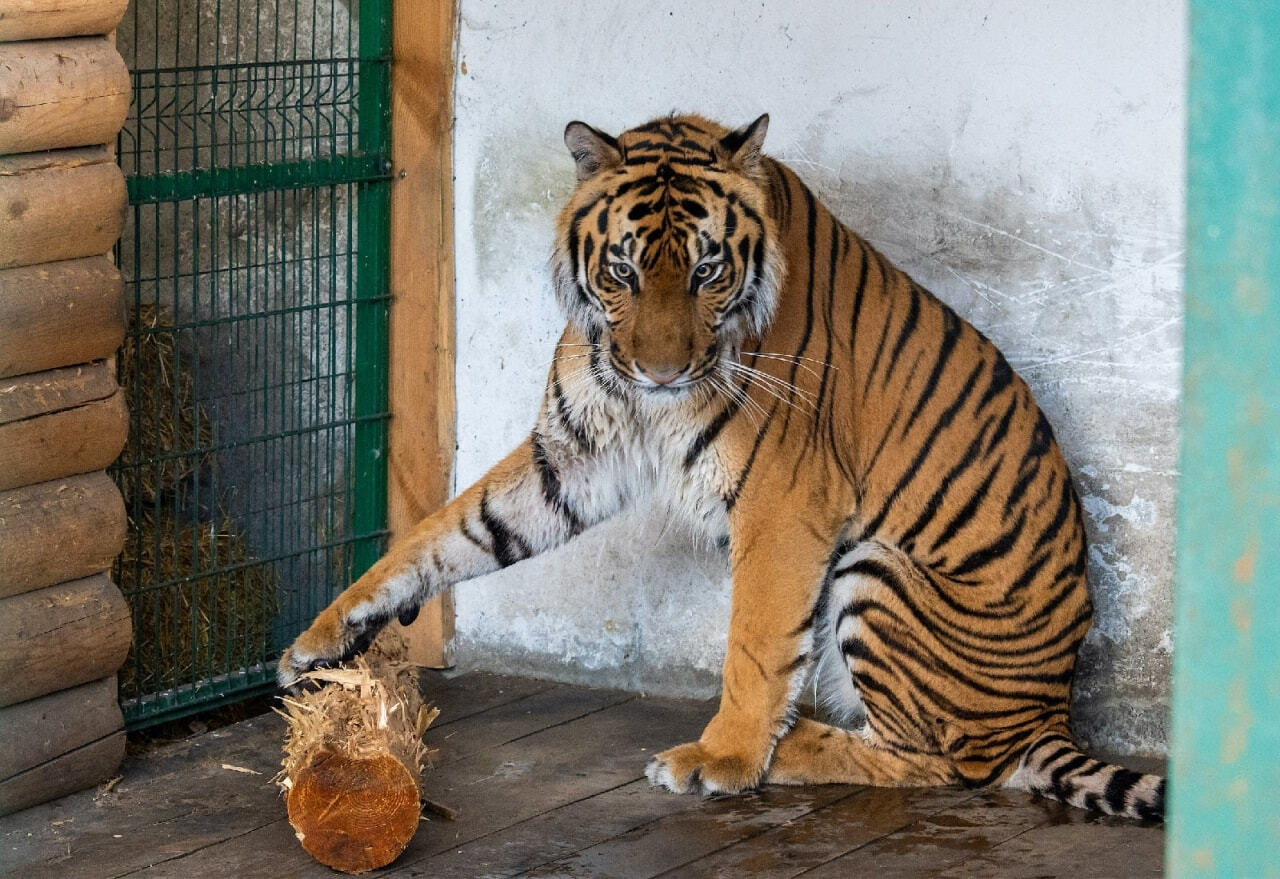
(59, 205)
(61, 636)
(73, 771)
(375, 816)
(63, 443)
(44, 19)
(58, 531)
(57, 314)
(56, 94)
(354, 761)
(38, 393)
(43, 729)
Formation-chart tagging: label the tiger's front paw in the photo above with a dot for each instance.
(329, 641)
(692, 768)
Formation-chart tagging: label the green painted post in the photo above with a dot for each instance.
(1225, 784)
(372, 293)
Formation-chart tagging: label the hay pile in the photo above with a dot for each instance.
(354, 760)
(187, 631)
(188, 625)
(169, 432)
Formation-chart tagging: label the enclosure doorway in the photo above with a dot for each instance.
(258, 157)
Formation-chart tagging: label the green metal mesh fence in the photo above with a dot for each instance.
(257, 159)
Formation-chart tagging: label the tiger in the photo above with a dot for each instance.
(899, 520)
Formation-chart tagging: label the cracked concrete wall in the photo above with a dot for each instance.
(1023, 162)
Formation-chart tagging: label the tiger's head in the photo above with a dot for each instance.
(666, 253)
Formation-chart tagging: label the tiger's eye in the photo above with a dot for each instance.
(706, 271)
(622, 271)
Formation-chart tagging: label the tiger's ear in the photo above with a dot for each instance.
(592, 149)
(743, 146)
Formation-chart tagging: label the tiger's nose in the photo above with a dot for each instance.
(661, 375)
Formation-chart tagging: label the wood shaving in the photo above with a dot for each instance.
(352, 715)
(243, 769)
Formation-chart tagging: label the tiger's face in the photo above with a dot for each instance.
(665, 256)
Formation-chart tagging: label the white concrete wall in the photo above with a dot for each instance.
(1022, 160)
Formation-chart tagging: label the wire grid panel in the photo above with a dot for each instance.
(227, 84)
(256, 158)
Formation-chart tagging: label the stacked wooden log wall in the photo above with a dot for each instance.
(64, 627)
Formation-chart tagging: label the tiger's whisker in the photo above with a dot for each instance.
(776, 393)
(773, 383)
(738, 395)
(795, 361)
(776, 356)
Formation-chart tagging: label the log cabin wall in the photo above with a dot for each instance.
(64, 626)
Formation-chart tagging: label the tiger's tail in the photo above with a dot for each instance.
(1054, 767)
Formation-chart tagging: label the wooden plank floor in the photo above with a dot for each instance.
(548, 780)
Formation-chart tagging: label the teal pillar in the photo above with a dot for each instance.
(1225, 778)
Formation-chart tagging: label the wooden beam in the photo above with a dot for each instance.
(58, 205)
(421, 439)
(61, 93)
(55, 390)
(1225, 818)
(42, 19)
(61, 722)
(57, 531)
(61, 636)
(63, 443)
(65, 774)
(60, 313)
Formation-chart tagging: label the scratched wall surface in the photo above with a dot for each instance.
(1025, 163)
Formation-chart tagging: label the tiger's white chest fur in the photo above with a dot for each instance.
(693, 493)
(644, 445)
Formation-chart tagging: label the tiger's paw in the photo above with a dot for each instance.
(329, 641)
(691, 768)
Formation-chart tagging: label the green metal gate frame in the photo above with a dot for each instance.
(368, 168)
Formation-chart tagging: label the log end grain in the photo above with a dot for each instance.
(354, 814)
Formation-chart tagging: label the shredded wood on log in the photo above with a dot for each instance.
(369, 706)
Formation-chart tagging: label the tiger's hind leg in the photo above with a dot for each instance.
(816, 753)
